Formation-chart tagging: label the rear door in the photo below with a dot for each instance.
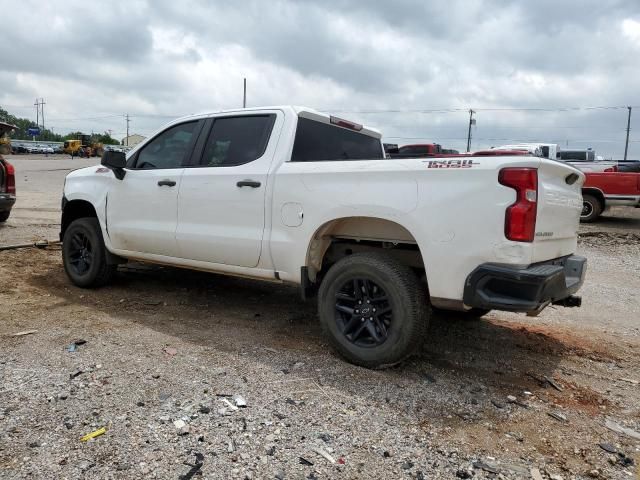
(142, 208)
(221, 204)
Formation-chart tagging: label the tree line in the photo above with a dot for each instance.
(46, 135)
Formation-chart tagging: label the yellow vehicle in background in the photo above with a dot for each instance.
(72, 147)
(83, 147)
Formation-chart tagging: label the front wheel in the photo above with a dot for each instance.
(373, 309)
(84, 254)
(4, 216)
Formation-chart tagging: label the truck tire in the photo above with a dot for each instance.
(84, 254)
(591, 208)
(4, 216)
(373, 310)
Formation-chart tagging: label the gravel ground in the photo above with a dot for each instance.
(505, 397)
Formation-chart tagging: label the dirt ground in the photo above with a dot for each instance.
(509, 396)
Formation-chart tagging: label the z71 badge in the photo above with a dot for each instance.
(453, 163)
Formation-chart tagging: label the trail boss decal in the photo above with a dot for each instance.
(453, 163)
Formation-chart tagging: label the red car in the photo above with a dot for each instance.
(604, 189)
(7, 180)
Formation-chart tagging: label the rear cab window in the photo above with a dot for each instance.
(316, 141)
(237, 140)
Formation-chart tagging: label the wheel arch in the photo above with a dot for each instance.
(74, 209)
(365, 232)
(595, 192)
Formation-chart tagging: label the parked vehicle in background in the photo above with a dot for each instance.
(288, 194)
(587, 155)
(545, 150)
(420, 150)
(602, 190)
(7, 180)
(496, 152)
(18, 148)
(72, 147)
(628, 166)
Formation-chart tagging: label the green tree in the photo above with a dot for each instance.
(23, 124)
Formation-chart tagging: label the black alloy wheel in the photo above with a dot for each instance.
(80, 253)
(363, 312)
(373, 309)
(84, 255)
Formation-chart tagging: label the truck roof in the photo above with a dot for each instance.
(303, 112)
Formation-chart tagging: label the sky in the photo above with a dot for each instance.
(532, 71)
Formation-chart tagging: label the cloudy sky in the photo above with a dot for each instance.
(412, 68)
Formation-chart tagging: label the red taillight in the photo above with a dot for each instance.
(520, 218)
(11, 178)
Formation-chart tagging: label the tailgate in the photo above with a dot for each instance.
(559, 206)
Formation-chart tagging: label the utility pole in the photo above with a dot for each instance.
(244, 96)
(626, 145)
(127, 119)
(42, 104)
(471, 122)
(37, 104)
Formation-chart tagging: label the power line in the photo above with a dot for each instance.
(480, 109)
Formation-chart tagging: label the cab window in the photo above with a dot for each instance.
(237, 140)
(169, 149)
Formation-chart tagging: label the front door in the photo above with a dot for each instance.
(221, 205)
(142, 207)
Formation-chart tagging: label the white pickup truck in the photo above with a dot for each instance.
(292, 195)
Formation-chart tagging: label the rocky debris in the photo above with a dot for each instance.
(486, 467)
(561, 417)
(535, 474)
(23, 333)
(464, 473)
(393, 423)
(170, 351)
(323, 453)
(553, 383)
(615, 427)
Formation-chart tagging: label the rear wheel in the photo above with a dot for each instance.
(84, 255)
(591, 208)
(4, 216)
(373, 310)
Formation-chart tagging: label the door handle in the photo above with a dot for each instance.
(166, 183)
(248, 183)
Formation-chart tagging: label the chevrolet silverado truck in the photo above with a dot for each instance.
(288, 194)
(602, 190)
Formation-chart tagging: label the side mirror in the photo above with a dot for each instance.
(115, 161)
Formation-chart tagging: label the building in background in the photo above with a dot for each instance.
(132, 140)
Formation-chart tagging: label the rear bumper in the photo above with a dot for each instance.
(6, 202)
(529, 289)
